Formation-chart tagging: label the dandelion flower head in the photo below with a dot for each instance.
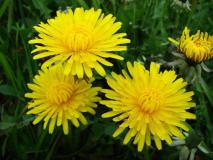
(197, 47)
(81, 40)
(148, 104)
(58, 98)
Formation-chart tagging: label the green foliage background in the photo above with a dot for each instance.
(148, 24)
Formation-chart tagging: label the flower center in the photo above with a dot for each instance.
(60, 93)
(79, 39)
(150, 101)
(197, 43)
(202, 44)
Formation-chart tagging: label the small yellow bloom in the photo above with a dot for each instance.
(148, 104)
(198, 47)
(81, 40)
(58, 98)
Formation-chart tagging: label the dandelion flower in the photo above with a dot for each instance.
(81, 40)
(197, 47)
(58, 98)
(148, 104)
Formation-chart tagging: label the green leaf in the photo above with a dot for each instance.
(4, 145)
(192, 154)
(52, 148)
(6, 125)
(193, 139)
(96, 3)
(184, 153)
(41, 6)
(7, 69)
(10, 16)
(83, 4)
(8, 90)
(113, 5)
(97, 130)
(110, 128)
(26, 121)
(203, 147)
(207, 90)
(4, 7)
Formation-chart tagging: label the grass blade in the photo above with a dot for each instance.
(83, 4)
(7, 69)
(4, 7)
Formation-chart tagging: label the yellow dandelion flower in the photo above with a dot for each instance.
(149, 104)
(81, 39)
(58, 98)
(197, 47)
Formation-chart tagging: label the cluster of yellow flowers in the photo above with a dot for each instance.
(148, 104)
